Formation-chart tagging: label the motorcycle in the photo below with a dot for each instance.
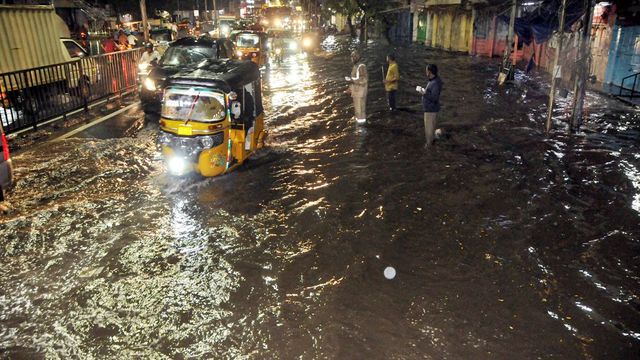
(277, 55)
(143, 71)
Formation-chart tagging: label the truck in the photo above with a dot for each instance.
(35, 37)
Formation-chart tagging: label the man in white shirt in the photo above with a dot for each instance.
(149, 55)
(133, 40)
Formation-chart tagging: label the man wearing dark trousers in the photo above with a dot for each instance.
(431, 102)
(391, 81)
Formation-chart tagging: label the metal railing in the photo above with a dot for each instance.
(632, 91)
(32, 96)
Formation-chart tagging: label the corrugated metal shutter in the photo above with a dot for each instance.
(30, 37)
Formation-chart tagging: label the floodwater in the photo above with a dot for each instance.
(507, 244)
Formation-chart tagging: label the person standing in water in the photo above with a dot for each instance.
(358, 87)
(391, 81)
(431, 102)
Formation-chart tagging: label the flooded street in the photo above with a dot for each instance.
(507, 243)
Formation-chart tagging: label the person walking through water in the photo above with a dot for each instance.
(358, 87)
(431, 102)
(391, 81)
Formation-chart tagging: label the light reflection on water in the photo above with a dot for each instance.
(496, 234)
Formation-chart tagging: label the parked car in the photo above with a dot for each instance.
(182, 54)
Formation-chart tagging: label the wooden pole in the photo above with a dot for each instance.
(582, 69)
(555, 68)
(506, 73)
(215, 16)
(493, 36)
(512, 23)
(145, 23)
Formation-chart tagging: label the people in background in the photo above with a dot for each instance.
(109, 45)
(391, 81)
(123, 42)
(358, 87)
(431, 102)
(132, 39)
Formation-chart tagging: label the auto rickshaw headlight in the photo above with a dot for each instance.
(149, 84)
(177, 165)
(206, 142)
(307, 42)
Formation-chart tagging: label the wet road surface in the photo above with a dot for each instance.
(126, 122)
(507, 243)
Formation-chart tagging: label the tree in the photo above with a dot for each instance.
(370, 10)
(348, 8)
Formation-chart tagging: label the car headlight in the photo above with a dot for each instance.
(149, 84)
(206, 142)
(307, 42)
(177, 165)
(143, 66)
(239, 53)
(293, 46)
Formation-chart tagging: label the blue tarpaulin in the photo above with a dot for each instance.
(540, 24)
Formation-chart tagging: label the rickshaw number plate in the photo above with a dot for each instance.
(184, 130)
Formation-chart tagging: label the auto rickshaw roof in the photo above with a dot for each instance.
(226, 75)
(195, 41)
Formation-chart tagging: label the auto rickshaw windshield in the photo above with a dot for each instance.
(248, 41)
(187, 55)
(193, 104)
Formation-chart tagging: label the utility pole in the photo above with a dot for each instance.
(215, 16)
(145, 23)
(556, 69)
(582, 69)
(506, 73)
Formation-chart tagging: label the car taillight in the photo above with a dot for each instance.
(5, 147)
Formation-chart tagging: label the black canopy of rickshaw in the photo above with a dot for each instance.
(224, 75)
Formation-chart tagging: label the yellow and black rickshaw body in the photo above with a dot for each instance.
(256, 52)
(212, 118)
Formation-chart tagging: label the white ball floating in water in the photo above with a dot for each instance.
(389, 272)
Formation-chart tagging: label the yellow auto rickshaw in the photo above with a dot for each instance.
(212, 117)
(251, 45)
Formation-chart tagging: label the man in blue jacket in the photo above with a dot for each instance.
(431, 102)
